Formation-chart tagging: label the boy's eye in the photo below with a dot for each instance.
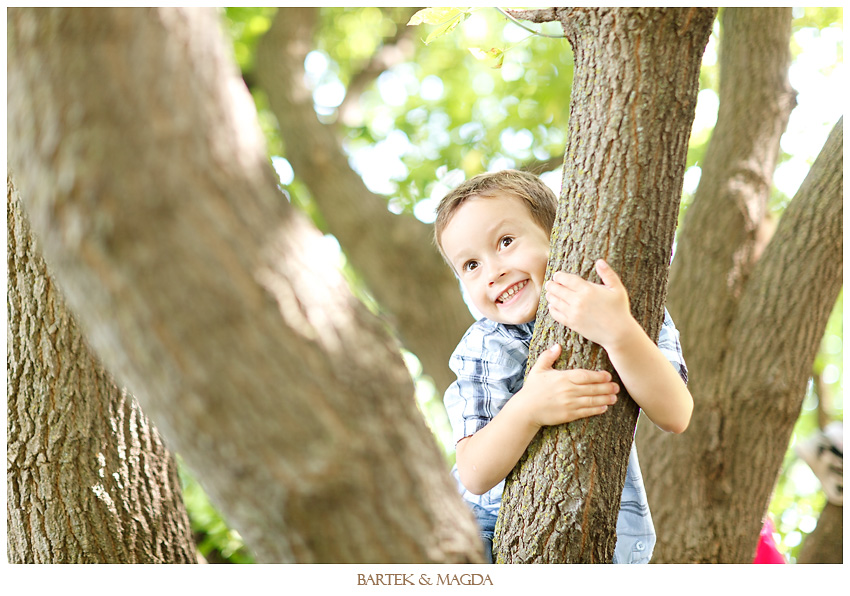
(506, 241)
(470, 266)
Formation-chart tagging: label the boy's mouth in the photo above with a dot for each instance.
(511, 292)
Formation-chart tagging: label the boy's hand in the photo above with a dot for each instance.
(558, 396)
(598, 312)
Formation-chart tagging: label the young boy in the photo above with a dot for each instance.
(493, 230)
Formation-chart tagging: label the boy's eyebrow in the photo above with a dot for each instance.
(462, 257)
(498, 226)
(458, 261)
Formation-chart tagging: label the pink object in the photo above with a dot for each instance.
(766, 551)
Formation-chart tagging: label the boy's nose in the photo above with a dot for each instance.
(495, 276)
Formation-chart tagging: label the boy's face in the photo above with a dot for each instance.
(499, 253)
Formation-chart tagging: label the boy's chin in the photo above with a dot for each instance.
(508, 318)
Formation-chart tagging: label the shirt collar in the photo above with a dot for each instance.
(523, 331)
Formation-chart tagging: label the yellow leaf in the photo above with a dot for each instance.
(494, 53)
(446, 27)
(485, 54)
(435, 15)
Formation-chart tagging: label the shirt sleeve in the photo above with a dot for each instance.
(490, 369)
(668, 343)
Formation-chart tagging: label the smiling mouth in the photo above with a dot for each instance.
(511, 292)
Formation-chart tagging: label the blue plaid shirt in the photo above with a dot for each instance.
(490, 363)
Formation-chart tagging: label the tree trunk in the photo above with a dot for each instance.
(825, 544)
(750, 329)
(88, 477)
(634, 93)
(394, 253)
(203, 290)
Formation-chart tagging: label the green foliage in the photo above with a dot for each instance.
(246, 26)
(446, 20)
(797, 499)
(465, 117)
(214, 539)
(430, 403)
(818, 17)
(354, 34)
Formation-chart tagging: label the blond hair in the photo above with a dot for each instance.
(537, 197)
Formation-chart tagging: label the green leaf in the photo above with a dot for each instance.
(479, 53)
(435, 15)
(493, 53)
(446, 27)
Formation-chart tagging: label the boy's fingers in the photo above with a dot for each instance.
(569, 280)
(601, 400)
(601, 391)
(589, 377)
(574, 282)
(591, 411)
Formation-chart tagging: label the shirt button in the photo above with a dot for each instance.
(639, 545)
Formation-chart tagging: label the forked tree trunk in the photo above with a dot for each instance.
(725, 469)
(750, 327)
(634, 93)
(88, 477)
(144, 174)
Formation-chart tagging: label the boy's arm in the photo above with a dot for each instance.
(601, 314)
(650, 379)
(492, 427)
(548, 397)
(485, 458)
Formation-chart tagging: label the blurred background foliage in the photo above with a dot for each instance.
(439, 114)
(216, 542)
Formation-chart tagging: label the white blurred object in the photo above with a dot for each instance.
(824, 453)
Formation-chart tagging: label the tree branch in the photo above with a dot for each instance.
(718, 239)
(536, 14)
(206, 292)
(825, 543)
(400, 265)
(394, 50)
(797, 279)
(542, 15)
(735, 438)
(64, 414)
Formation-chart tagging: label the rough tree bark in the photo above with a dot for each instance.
(399, 264)
(88, 477)
(750, 327)
(634, 93)
(826, 542)
(145, 177)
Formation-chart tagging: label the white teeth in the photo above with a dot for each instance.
(512, 290)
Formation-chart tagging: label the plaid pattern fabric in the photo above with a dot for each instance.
(490, 365)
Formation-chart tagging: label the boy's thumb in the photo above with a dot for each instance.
(548, 357)
(608, 276)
